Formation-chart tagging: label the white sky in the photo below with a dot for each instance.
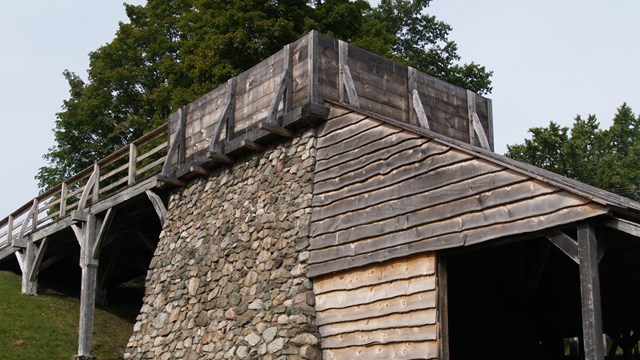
(551, 60)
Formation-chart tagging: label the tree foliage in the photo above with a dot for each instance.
(606, 158)
(172, 51)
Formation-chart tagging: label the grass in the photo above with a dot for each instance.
(46, 326)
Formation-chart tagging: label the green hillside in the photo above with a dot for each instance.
(45, 326)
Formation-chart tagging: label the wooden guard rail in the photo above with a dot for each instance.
(142, 158)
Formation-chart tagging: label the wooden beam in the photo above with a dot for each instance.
(78, 231)
(219, 158)
(419, 109)
(590, 293)
(40, 250)
(89, 268)
(625, 226)
(251, 145)
(312, 61)
(158, 206)
(226, 121)
(275, 129)
(133, 161)
(443, 308)
(102, 232)
(171, 181)
(565, 243)
(284, 89)
(479, 130)
(345, 79)
(89, 188)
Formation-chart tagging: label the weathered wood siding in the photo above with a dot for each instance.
(381, 311)
(381, 192)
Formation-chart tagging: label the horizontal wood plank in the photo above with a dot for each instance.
(400, 304)
(347, 298)
(396, 351)
(376, 274)
(411, 319)
(382, 336)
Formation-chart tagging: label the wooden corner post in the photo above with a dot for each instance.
(590, 293)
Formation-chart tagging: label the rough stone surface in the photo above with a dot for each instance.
(228, 278)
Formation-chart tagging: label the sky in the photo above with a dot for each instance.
(551, 61)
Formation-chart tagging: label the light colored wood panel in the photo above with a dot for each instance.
(427, 207)
(410, 319)
(378, 337)
(397, 351)
(376, 274)
(347, 298)
(400, 304)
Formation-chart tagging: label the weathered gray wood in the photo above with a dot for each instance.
(423, 208)
(471, 109)
(565, 243)
(312, 62)
(133, 161)
(347, 90)
(92, 187)
(5, 252)
(477, 127)
(26, 260)
(490, 122)
(103, 229)
(124, 195)
(358, 124)
(468, 237)
(175, 143)
(424, 154)
(89, 267)
(63, 199)
(443, 309)
(158, 205)
(590, 293)
(363, 159)
(275, 129)
(419, 109)
(284, 89)
(40, 251)
(220, 158)
(31, 217)
(625, 226)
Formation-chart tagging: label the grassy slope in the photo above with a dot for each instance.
(46, 326)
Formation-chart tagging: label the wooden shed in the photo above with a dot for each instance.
(427, 247)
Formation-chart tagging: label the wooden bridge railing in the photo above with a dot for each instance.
(142, 158)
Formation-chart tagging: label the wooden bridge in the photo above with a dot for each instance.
(111, 213)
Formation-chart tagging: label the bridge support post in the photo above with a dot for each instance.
(89, 265)
(26, 260)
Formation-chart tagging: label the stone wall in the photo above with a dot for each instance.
(228, 278)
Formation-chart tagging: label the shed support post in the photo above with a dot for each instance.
(590, 293)
(89, 267)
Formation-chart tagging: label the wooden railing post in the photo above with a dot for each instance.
(96, 185)
(133, 160)
(34, 220)
(63, 199)
(10, 230)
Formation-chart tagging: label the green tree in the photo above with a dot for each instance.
(604, 158)
(173, 51)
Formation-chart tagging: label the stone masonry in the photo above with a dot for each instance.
(228, 278)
